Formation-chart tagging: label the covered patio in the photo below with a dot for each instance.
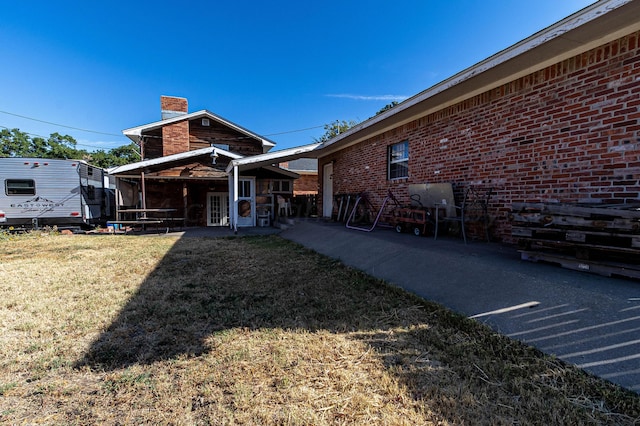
(194, 189)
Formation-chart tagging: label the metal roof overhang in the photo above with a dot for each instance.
(271, 158)
(133, 170)
(169, 159)
(593, 26)
(284, 174)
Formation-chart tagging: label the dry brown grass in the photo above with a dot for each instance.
(160, 330)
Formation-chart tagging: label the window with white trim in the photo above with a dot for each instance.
(398, 161)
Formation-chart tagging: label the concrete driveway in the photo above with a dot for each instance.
(584, 319)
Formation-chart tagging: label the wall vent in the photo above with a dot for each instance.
(205, 122)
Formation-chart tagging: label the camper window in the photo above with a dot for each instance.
(20, 187)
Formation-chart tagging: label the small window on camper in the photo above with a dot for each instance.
(398, 161)
(20, 187)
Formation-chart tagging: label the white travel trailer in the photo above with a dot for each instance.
(46, 192)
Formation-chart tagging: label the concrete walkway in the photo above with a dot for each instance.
(584, 319)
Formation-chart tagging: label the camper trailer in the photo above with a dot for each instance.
(40, 192)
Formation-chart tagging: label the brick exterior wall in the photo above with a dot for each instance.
(306, 184)
(170, 103)
(567, 133)
(175, 138)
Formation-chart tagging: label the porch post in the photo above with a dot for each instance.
(235, 198)
(142, 183)
(185, 202)
(144, 194)
(118, 199)
(233, 208)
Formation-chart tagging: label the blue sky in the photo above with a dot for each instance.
(274, 67)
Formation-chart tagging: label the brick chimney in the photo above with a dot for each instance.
(175, 136)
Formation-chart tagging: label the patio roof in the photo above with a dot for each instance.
(272, 158)
(140, 165)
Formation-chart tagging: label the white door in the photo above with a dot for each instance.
(327, 190)
(217, 209)
(246, 202)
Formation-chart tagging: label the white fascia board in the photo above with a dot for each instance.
(135, 133)
(171, 158)
(538, 40)
(271, 158)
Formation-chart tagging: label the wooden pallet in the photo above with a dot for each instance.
(604, 268)
(618, 217)
(581, 241)
(596, 233)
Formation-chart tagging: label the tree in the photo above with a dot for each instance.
(14, 143)
(335, 128)
(119, 156)
(59, 146)
(387, 107)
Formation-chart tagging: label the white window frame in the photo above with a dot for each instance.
(397, 154)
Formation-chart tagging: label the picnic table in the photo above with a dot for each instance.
(159, 217)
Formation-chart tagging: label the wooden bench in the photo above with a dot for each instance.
(166, 222)
(141, 222)
(171, 222)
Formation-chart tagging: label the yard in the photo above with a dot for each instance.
(259, 331)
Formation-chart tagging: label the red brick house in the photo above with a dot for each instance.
(554, 118)
(185, 157)
(307, 169)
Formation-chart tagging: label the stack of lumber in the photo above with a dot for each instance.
(599, 238)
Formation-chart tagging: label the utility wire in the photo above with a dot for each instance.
(113, 134)
(60, 125)
(295, 131)
(46, 137)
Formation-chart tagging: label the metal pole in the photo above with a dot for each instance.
(142, 183)
(235, 198)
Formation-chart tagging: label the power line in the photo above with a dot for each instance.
(296, 131)
(46, 137)
(120, 135)
(60, 125)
